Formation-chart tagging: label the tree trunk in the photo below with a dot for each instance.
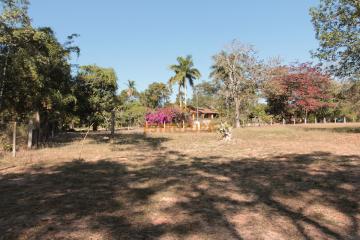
(237, 113)
(45, 129)
(185, 94)
(52, 131)
(14, 141)
(72, 125)
(37, 128)
(180, 96)
(112, 128)
(95, 127)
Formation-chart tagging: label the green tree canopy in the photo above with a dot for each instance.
(95, 91)
(36, 73)
(184, 72)
(156, 95)
(206, 94)
(337, 26)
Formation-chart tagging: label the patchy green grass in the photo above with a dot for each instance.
(292, 182)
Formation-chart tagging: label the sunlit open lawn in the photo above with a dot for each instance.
(277, 182)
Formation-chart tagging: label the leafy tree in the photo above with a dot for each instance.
(349, 100)
(132, 113)
(273, 91)
(95, 91)
(122, 98)
(337, 26)
(300, 89)
(260, 112)
(131, 88)
(36, 74)
(184, 72)
(55, 94)
(14, 17)
(156, 95)
(239, 73)
(206, 94)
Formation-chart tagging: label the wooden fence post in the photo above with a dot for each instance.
(14, 141)
(146, 126)
(112, 124)
(30, 134)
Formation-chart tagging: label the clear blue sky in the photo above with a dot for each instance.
(141, 38)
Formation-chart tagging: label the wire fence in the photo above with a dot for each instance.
(13, 137)
(212, 125)
(181, 127)
(26, 137)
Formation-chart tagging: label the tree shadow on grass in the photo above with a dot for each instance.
(180, 196)
(136, 139)
(103, 137)
(335, 129)
(287, 187)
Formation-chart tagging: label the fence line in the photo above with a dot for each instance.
(295, 121)
(166, 127)
(211, 127)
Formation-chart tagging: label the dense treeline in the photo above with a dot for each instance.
(37, 81)
(40, 86)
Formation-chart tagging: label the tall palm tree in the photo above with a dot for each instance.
(130, 88)
(184, 73)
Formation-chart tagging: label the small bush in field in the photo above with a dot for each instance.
(225, 130)
(5, 143)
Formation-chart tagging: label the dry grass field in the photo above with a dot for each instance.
(293, 182)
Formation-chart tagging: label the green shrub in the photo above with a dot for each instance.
(5, 143)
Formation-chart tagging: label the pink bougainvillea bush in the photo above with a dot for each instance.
(165, 115)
